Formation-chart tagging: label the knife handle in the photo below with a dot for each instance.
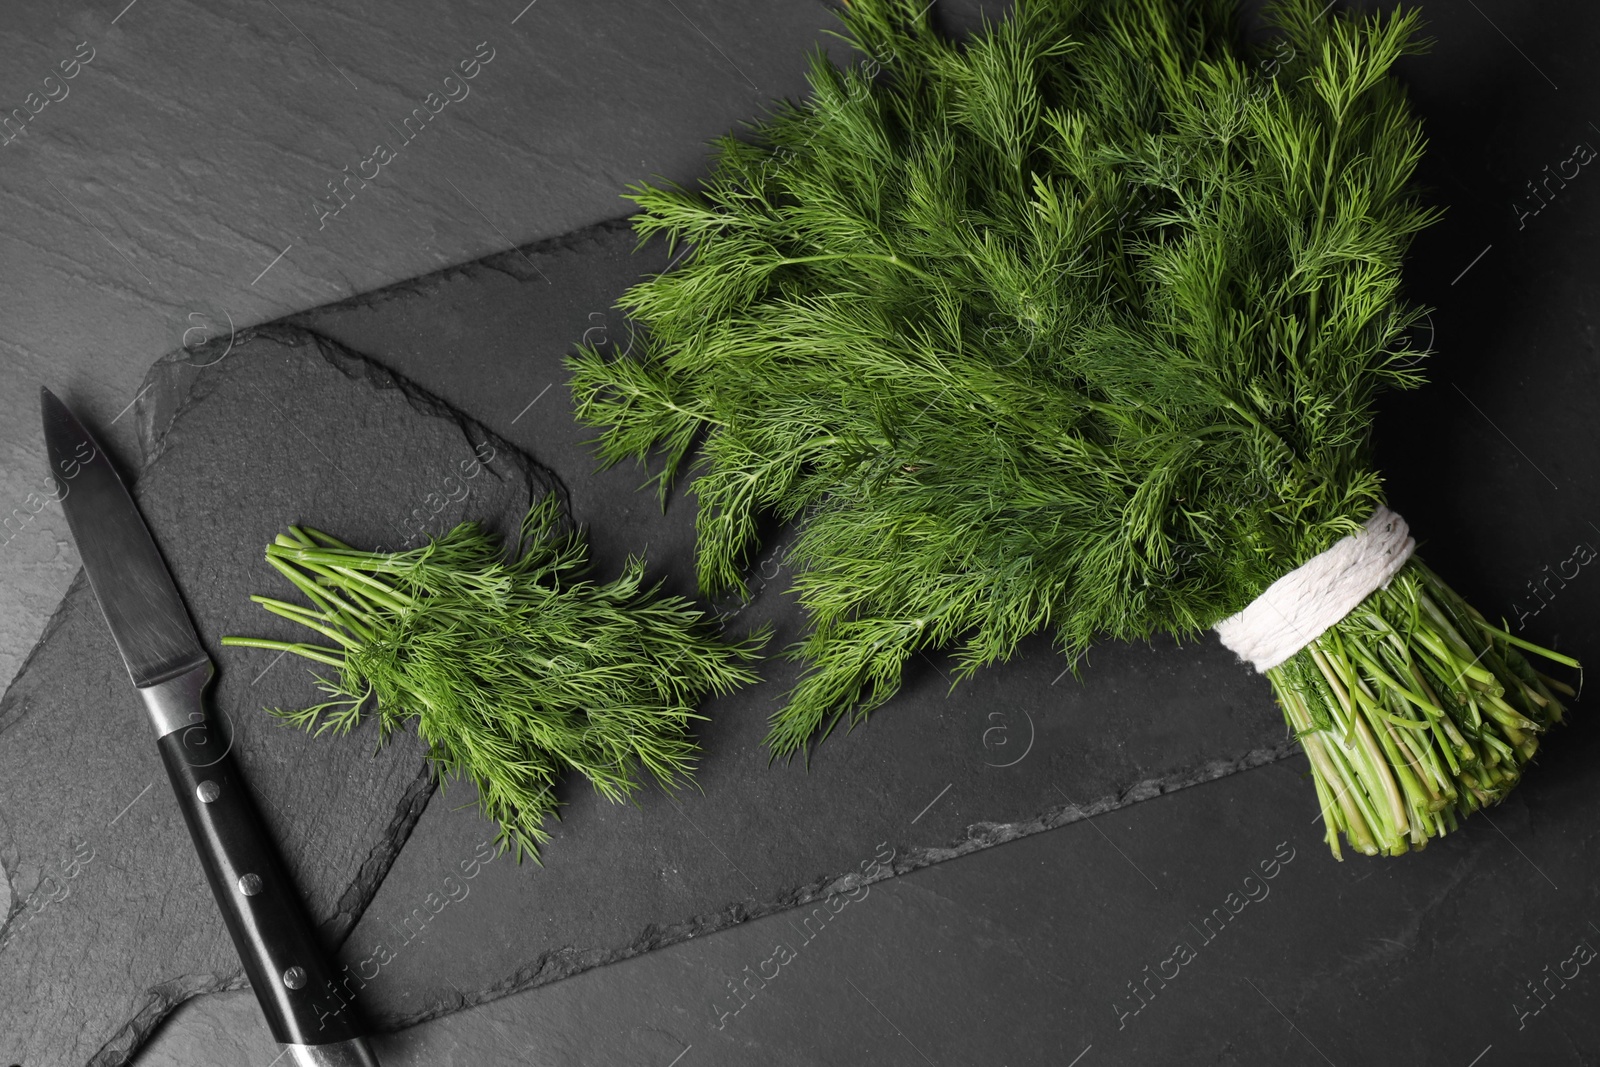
(282, 955)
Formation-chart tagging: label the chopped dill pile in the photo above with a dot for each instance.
(515, 670)
(1076, 325)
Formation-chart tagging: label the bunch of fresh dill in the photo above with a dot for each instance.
(1075, 325)
(515, 669)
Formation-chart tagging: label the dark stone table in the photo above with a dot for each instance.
(1130, 870)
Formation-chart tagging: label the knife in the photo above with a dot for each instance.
(282, 955)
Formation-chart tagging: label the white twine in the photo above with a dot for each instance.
(1296, 609)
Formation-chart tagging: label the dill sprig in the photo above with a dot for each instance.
(515, 670)
(1075, 325)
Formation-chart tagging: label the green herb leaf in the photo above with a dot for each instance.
(515, 670)
(1076, 325)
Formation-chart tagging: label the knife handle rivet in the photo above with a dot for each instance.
(207, 791)
(294, 977)
(249, 884)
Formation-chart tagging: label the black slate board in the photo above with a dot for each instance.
(1063, 950)
(1016, 750)
(110, 922)
(1207, 927)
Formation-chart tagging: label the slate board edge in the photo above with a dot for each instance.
(515, 262)
(10, 715)
(164, 1000)
(175, 382)
(565, 962)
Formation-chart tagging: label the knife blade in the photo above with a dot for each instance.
(282, 956)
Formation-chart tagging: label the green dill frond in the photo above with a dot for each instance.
(1075, 326)
(1015, 321)
(516, 668)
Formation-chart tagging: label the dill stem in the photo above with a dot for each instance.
(1405, 743)
(1361, 819)
(1556, 684)
(389, 597)
(1529, 646)
(1383, 677)
(891, 259)
(331, 603)
(1408, 775)
(305, 618)
(1376, 670)
(1377, 771)
(317, 652)
(1451, 743)
(1322, 211)
(328, 540)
